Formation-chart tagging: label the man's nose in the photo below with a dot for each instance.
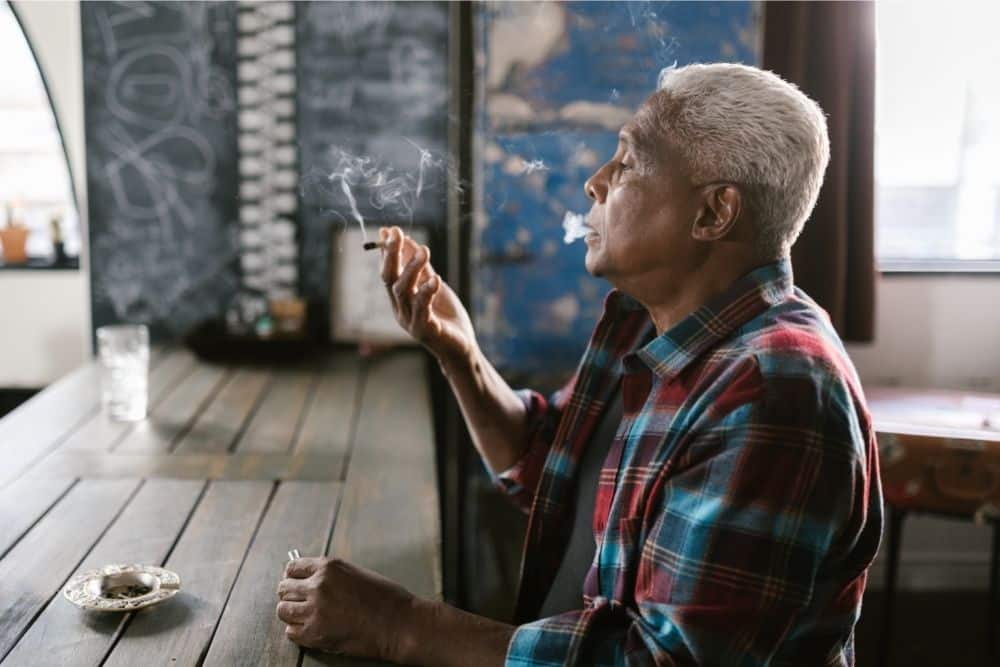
(596, 186)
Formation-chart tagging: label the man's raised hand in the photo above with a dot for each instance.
(424, 305)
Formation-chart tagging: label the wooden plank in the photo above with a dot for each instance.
(171, 418)
(276, 420)
(175, 365)
(389, 514)
(389, 518)
(250, 466)
(144, 533)
(43, 560)
(100, 432)
(33, 429)
(329, 419)
(249, 633)
(218, 426)
(23, 502)
(207, 557)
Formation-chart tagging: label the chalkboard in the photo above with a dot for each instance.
(160, 115)
(373, 84)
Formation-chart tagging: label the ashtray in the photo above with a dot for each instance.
(122, 587)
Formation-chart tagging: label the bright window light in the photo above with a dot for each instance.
(937, 129)
(34, 176)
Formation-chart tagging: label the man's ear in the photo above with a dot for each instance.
(722, 206)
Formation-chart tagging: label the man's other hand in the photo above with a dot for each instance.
(337, 607)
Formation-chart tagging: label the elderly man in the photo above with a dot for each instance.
(705, 490)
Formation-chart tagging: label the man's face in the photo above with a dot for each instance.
(643, 211)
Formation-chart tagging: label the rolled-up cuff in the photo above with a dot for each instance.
(520, 479)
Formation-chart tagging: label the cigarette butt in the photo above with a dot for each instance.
(371, 245)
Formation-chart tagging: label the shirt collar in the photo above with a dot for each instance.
(670, 353)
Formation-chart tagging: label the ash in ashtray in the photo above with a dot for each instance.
(125, 592)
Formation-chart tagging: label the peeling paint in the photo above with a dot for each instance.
(567, 76)
(492, 153)
(522, 35)
(608, 116)
(562, 313)
(584, 157)
(510, 110)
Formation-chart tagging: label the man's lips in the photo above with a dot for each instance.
(591, 229)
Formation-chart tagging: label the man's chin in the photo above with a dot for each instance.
(593, 265)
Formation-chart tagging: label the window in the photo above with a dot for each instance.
(34, 176)
(937, 127)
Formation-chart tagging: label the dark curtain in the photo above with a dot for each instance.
(828, 50)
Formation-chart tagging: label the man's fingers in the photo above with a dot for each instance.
(392, 255)
(404, 287)
(390, 261)
(422, 302)
(293, 612)
(302, 568)
(293, 590)
(396, 253)
(294, 632)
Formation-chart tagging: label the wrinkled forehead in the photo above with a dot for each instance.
(643, 132)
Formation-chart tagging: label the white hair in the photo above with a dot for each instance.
(751, 127)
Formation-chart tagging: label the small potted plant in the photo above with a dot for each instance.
(14, 238)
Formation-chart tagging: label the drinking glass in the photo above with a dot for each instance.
(124, 355)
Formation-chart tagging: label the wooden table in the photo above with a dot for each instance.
(939, 455)
(233, 467)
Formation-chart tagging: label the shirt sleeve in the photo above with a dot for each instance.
(543, 414)
(729, 551)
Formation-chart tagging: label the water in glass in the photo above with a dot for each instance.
(124, 355)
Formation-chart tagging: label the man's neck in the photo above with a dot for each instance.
(670, 301)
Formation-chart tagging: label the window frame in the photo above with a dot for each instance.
(74, 264)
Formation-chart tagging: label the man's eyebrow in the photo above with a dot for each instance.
(626, 136)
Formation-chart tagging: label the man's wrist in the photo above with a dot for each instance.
(455, 361)
(413, 631)
(434, 633)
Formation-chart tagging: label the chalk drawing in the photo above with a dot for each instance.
(160, 106)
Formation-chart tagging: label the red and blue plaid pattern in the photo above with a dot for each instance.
(739, 507)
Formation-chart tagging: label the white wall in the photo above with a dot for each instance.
(934, 331)
(44, 326)
(45, 315)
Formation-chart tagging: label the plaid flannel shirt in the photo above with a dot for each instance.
(739, 506)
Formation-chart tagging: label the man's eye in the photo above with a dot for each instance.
(624, 167)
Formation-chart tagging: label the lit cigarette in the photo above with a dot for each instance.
(371, 245)
(294, 554)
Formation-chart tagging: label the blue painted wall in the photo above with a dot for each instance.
(557, 80)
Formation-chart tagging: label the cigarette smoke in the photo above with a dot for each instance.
(533, 166)
(575, 225)
(393, 192)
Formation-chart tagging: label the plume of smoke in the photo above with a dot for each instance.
(663, 74)
(426, 159)
(390, 190)
(575, 226)
(532, 166)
